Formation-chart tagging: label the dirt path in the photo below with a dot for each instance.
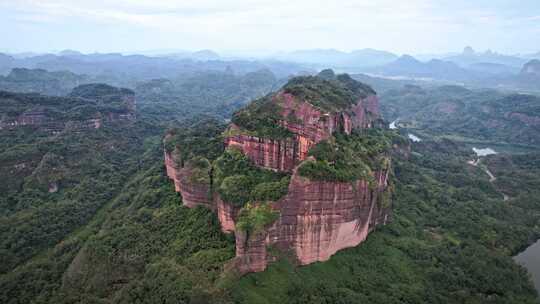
(492, 177)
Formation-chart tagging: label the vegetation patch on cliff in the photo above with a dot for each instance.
(199, 137)
(254, 217)
(262, 118)
(347, 158)
(328, 93)
(239, 181)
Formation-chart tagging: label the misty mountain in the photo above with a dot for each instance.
(336, 58)
(536, 55)
(126, 70)
(493, 68)
(531, 68)
(410, 67)
(202, 55)
(6, 63)
(41, 81)
(469, 56)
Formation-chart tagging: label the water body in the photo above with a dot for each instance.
(484, 152)
(530, 259)
(393, 125)
(414, 138)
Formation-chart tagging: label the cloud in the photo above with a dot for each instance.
(278, 24)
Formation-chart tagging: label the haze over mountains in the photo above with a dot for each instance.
(470, 67)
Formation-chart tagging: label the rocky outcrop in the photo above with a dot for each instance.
(280, 155)
(308, 124)
(227, 214)
(315, 218)
(193, 193)
(73, 113)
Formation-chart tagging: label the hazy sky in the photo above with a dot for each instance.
(411, 26)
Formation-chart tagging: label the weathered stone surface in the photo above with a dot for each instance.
(193, 193)
(317, 219)
(227, 214)
(251, 251)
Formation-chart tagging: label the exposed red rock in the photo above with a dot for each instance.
(309, 126)
(227, 214)
(316, 218)
(193, 193)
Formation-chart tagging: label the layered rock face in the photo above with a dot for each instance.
(308, 124)
(315, 218)
(193, 193)
(56, 114)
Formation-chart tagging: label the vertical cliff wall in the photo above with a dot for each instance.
(317, 219)
(194, 193)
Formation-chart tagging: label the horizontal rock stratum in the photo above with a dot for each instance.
(304, 171)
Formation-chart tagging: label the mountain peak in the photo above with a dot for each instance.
(407, 59)
(468, 51)
(531, 68)
(327, 74)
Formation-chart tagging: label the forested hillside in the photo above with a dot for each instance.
(473, 115)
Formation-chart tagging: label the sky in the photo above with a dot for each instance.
(411, 26)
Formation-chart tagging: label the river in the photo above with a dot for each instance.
(530, 259)
(393, 126)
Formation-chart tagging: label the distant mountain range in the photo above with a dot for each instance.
(468, 67)
(338, 59)
(469, 56)
(481, 74)
(127, 70)
(410, 67)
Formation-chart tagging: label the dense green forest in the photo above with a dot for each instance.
(456, 112)
(115, 230)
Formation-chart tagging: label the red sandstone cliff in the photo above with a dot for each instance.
(309, 125)
(316, 218)
(193, 193)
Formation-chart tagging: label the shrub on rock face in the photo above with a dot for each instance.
(262, 118)
(254, 217)
(346, 158)
(239, 181)
(236, 189)
(271, 191)
(201, 170)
